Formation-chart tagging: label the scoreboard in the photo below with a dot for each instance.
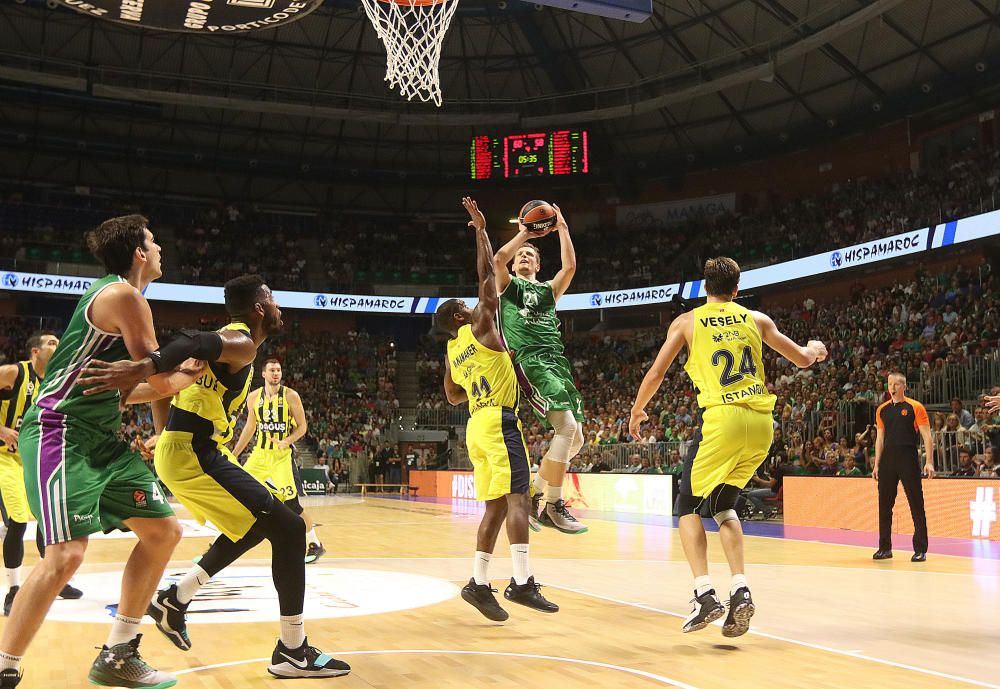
(562, 152)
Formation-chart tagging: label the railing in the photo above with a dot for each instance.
(618, 457)
(967, 381)
(948, 443)
(438, 418)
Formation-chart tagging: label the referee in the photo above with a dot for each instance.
(900, 422)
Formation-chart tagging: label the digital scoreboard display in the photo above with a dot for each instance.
(562, 152)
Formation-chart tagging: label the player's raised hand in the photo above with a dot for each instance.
(560, 220)
(635, 421)
(477, 219)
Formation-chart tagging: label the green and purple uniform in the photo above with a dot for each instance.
(529, 328)
(80, 477)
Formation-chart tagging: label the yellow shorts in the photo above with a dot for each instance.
(210, 483)
(732, 442)
(15, 501)
(498, 453)
(274, 469)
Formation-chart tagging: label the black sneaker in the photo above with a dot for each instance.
(70, 592)
(304, 661)
(480, 596)
(9, 678)
(705, 609)
(314, 552)
(536, 505)
(529, 594)
(741, 609)
(171, 617)
(8, 601)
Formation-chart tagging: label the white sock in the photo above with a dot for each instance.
(738, 581)
(553, 494)
(540, 483)
(311, 537)
(519, 554)
(480, 566)
(14, 576)
(9, 662)
(701, 585)
(123, 630)
(293, 631)
(189, 584)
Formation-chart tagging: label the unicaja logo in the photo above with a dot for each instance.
(983, 512)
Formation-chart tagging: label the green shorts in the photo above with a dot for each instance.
(80, 480)
(547, 383)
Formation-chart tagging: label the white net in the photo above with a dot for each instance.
(412, 32)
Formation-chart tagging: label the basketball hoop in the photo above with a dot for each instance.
(412, 32)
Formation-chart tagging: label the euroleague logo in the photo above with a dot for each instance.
(246, 594)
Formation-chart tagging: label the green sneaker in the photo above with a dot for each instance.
(122, 666)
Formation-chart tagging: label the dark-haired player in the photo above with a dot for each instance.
(80, 478)
(530, 330)
(724, 343)
(18, 386)
(478, 370)
(191, 458)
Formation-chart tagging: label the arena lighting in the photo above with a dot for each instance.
(628, 10)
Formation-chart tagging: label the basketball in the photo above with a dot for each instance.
(537, 216)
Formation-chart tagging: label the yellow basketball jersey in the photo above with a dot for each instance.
(274, 418)
(725, 362)
(217, 396)
(16, 401)
(486, 375)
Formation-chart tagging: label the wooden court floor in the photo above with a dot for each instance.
(385, 598)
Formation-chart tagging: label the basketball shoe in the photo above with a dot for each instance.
(122, 666)
(70, 592)
(171, 617)
(705, 609)
(558, 517)
(314, 552)
(480, 596)
(741, 609)
(529, 594)
(304, 661)
(9, 678)
(536, 505)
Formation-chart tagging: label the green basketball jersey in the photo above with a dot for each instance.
(528, 321)
(79, 344)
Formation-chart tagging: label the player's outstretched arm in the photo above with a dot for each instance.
(485, 314)
(672, 346)
(567, 254)
(803, 357)
(452, 390)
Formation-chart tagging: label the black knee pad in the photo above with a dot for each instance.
(294, 505)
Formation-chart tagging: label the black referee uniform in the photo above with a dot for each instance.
(899, 423)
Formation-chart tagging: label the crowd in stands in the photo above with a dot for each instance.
(214, 243)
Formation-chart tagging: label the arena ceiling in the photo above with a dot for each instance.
(699, 80)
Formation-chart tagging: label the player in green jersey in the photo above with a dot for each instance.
(80, 478)
(530, 330)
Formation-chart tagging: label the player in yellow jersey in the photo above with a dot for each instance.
(19, 384)
(479, 370)
(275, 415)
(725, 364)
(192, 460)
